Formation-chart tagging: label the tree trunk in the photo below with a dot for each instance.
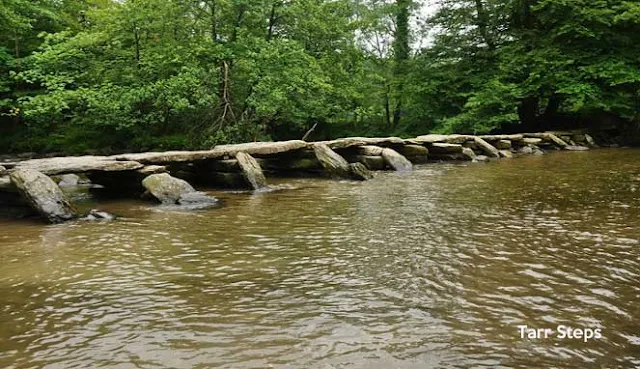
(483, 24)
(528, 112)
(401, 56)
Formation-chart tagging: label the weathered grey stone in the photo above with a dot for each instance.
(412, 150)
(43, 195)
(396, 161)
(525, 150)
(445, 148)
(251, 171)
(550, 137)
(334, 165)
(434, 138)
(493, 138)
(372, 162)
(487, 148)
(69, 180)
(79, 164)
(218, 152)
(471, 144)
(344, 143)
(469, 154)
(370, 150)
(503, 145)
(260, 148)
(2, 169)
(506, 154)
(152, 169)
(360, 172)
(576, 148)
(167, 189)
(531, 141)
(97, 215)
(590, 141)
(482, 158)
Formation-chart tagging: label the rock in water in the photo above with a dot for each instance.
(251, 171)
(99, 215)
(469, 154)
(576, 148)
(334, 165)
(167, 189)
(360, 172)
(69, 180)
(396, 161)
(43, 195)
(2, 169)
(487, 148)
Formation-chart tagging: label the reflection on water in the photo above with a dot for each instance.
(429, 269)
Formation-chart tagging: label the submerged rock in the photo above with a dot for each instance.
(506, 154)
(360, 172)
(576, 148)
(95, 215)
(167, 189)
(251, 171)
(335, 166)
(43, 195)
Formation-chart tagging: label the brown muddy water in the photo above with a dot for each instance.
(431, 269)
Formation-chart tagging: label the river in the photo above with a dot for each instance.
(431, 269)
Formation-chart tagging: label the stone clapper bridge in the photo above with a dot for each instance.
(166, 176)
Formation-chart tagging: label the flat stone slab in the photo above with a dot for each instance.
(218, 152)
(78, 164)
(435, 138)
(260, 148)
(492, 138)
(445, 148)
(548, 137)
(345, 143)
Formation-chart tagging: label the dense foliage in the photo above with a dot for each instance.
(106, 75)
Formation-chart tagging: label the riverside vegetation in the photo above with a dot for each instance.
(104, 76)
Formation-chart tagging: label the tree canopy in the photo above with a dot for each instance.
(104, 75)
